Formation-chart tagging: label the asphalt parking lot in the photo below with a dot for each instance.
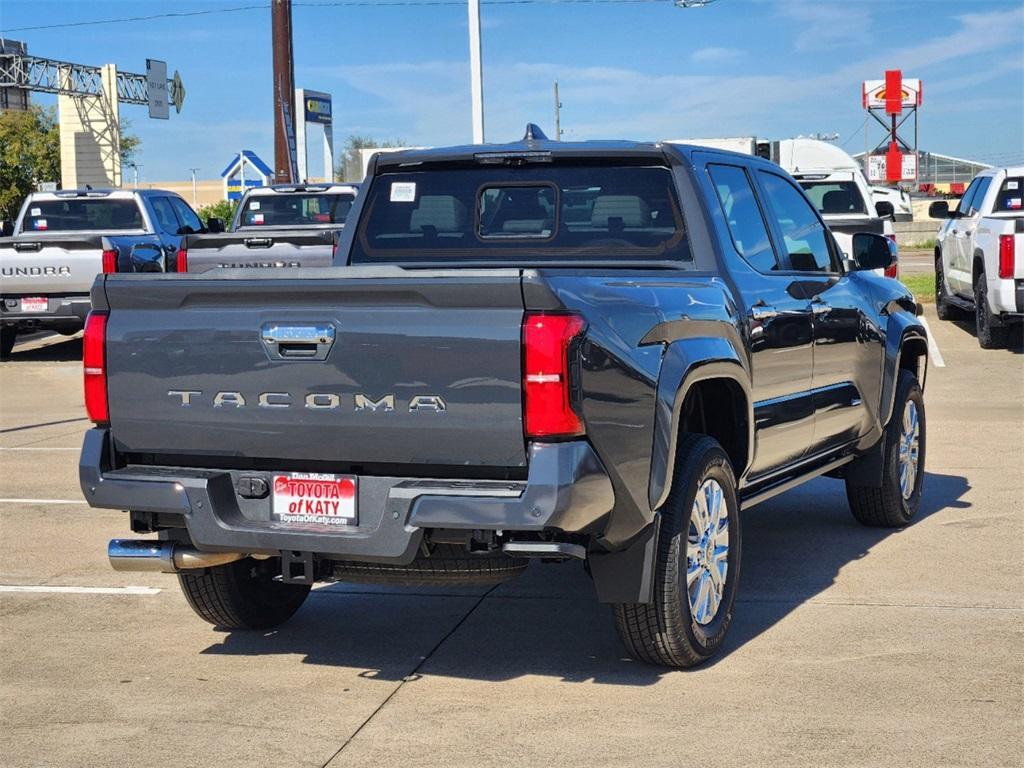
(850, 646)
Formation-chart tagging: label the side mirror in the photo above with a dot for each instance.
(939, 210)
(214, 225)
(885, 209)
(871, 251)
(6, 228)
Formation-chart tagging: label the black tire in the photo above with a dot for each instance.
(665, 632)
(884, 506)
(447, 565)
(242, 594)
(990, 334)
(7, 336)
(943, 308)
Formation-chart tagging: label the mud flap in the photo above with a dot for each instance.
(627, 576)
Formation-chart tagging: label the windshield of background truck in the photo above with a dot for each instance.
(287, 210)
(540, 212)
(77, 214)
(837, 198)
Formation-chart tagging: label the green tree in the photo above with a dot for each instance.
(29, 154)
(222, 209)
(350, 167)
(130, 144)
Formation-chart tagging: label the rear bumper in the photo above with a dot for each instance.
(1006, 298)
(567, 489)
(68, 310)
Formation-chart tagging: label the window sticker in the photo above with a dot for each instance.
(1009, 185)
(1013, 203)
(36, 212)
(257, 218)
(40, 224)
(254, 205)
(403, 192)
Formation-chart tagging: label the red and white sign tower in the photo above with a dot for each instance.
(893, 159)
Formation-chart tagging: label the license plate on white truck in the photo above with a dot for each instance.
(34, 304)
(315, 498)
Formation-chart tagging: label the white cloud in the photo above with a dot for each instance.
(820, 26)
(715, 55)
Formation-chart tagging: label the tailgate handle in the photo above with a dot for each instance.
(297, 342)
(258, 242)
(28, 246)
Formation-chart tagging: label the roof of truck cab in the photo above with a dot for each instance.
(305, 187)
(593, 149)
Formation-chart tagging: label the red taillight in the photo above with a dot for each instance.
(94, 366)
(182, 257)
(893, 270)
(1006, 257)
(547, 379)
(109, 262)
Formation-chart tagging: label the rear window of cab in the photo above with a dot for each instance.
(540, 212)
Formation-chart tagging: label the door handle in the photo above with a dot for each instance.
(302, 342)
(819, 307)
(763, 312)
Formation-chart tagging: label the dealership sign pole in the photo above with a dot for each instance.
(893, 159)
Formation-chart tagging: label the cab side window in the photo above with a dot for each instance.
(968, 197)
(187, 216)
(805, 237)
(164, 213)
(746, 223)
(978, 198)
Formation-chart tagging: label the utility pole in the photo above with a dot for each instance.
(284, 89)
(558, 115)
(194, 204)
(476, 73)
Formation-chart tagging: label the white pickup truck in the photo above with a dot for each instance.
(50, 256)
(979, 254)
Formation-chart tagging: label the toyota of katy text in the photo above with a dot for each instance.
(596, 351)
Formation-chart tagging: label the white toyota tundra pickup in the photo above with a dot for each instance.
(979, 254)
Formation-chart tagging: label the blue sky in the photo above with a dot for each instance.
(770, 68)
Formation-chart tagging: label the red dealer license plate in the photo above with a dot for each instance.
(34, 304)
(314, 498)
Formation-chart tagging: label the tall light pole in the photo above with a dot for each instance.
(194, 204)
(476, 72)
(558, 115)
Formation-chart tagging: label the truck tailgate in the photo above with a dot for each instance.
(353, 366)
(38, 266)
(301, 248)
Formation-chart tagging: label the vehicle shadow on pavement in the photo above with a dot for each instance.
(795, 545)
(1014, 340)
(549, 623)
(60, 349)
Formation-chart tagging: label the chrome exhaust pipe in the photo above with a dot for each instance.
(163, 556)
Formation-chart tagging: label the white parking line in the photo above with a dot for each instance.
(43, 501)
(933, 346)
(80, 590)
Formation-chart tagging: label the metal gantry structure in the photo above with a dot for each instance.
(33, 73)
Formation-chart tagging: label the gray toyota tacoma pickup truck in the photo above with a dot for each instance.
(50, 256)
(285, 225)
(596, 351)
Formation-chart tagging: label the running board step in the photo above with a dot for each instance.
(544, 549)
